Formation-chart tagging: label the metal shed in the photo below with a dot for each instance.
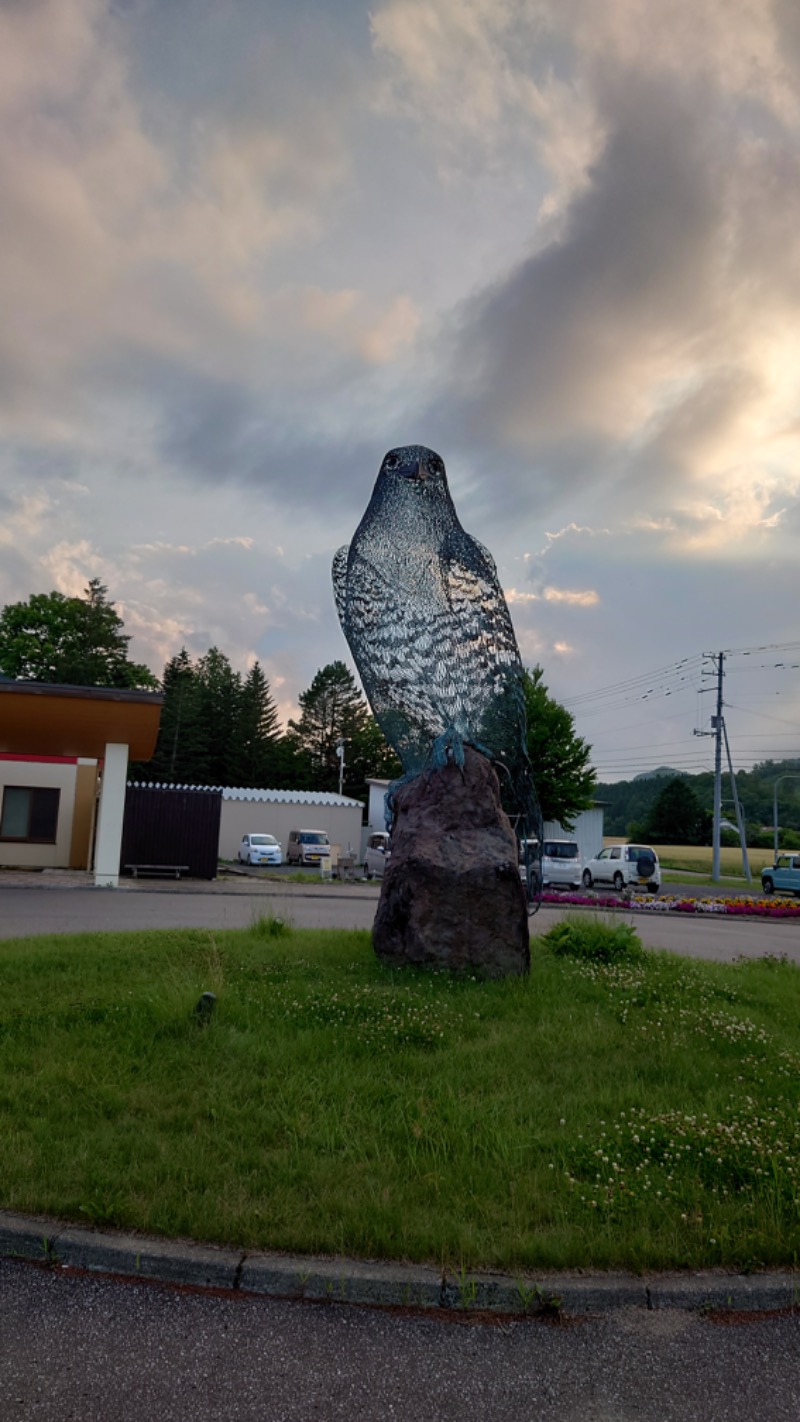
(280, 811)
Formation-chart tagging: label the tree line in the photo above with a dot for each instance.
(678, 809)
(220, 727)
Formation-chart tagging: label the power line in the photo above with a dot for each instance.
(632, 683)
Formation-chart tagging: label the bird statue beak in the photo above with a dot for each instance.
(415, 470)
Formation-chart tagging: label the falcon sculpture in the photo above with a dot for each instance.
(427, 623)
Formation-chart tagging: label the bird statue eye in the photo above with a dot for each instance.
(436, 466)
(391, 462)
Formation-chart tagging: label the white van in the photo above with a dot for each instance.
(561, 864)
(308, 846)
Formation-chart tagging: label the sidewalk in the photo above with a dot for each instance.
(377, 1284)
(227, 883)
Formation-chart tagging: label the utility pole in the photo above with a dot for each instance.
(717, 724)
(719, 732)
(340, 754)
(738, 808)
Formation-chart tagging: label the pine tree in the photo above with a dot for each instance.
(333, 710)
(255, 757)
(677, 817)
(181, 754)
(219, 703)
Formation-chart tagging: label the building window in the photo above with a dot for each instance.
(29, 813)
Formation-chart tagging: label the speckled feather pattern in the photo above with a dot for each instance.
(426, 620)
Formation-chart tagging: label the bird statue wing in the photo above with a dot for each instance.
(478, 606)
(490, 657)
(339, 571)
(391, 643)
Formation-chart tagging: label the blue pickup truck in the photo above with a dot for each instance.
(783, 876)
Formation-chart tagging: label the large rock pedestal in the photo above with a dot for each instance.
(452, 896)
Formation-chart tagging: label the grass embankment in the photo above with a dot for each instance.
(696, 859)
(639, 1112)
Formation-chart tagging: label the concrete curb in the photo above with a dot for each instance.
(384, 1284)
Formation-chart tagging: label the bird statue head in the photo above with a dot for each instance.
(414, 461)
(411, 486)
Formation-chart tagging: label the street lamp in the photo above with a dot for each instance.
(775, 808)
(340, 756)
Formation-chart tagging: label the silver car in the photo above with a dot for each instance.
(376, 855)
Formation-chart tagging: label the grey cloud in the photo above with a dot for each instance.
(786, 16)
(548, 347)
(567, 365)
(216, 432)
(683, 437)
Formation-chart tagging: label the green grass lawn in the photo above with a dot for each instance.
(698, 857)
(637, 1113)
(697, 881)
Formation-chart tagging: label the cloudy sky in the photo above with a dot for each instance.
(247, 246)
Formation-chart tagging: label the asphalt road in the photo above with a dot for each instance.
(29, 910)
(101, 1350)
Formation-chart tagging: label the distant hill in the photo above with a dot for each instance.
(659, 771)
(629, 801)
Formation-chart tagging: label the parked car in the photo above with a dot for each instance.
(308, 846)
(783, 876)
(560, 864)
(529, 855)
(376, 855)
(260, 849)
(624, 864)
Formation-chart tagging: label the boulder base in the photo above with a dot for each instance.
(452, 896)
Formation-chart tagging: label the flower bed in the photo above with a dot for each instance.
(649, 903)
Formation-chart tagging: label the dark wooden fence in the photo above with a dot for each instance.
(166, 827)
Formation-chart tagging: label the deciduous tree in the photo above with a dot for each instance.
(564, 778)
(69, 640)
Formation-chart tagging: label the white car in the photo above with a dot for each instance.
(376, 855)
(560, 864)
(260, 849)
(621, 865)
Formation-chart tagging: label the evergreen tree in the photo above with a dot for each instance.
(333, 710)
(564, 779)
(217, 729)
(219, 704)
(254, 755)
(368, 756)
(292, 767)
(181, 754)
(69, 640)
(677, 817)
